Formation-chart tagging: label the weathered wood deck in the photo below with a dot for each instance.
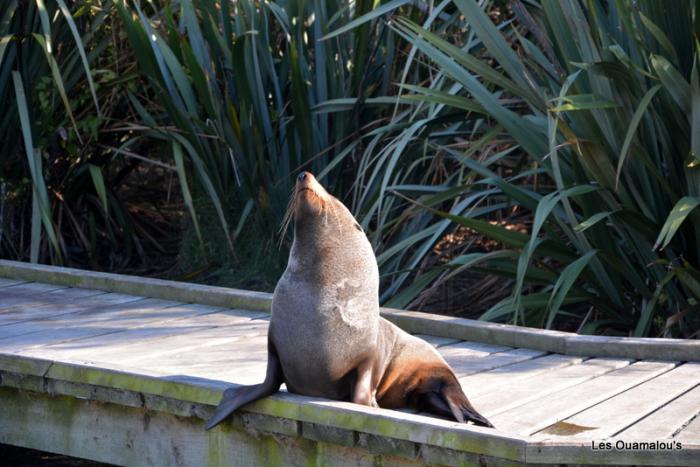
(125, 370)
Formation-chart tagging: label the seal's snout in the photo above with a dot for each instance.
(306, 180)
(308, 201)
(309, 196)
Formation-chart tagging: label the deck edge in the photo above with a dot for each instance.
(278, 411)
(412, 321)
(136, 285)
(306, 410)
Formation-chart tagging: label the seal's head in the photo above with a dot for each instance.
(312, 206)
(310, 198)
(330, 249)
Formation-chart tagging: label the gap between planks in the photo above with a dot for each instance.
(538, 414)
(666, 420)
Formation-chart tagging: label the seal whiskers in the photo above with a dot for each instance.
(288, 216)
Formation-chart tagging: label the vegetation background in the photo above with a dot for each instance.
(523, 161)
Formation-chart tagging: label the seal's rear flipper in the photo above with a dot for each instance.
(234, 398)
(447, 399)
(460, 407)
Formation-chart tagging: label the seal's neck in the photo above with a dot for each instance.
(313, 241)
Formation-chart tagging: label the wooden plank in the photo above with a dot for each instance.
(110, 298)
(23, 366)
(664, 422)
(691, 432)
(203, 329)
(33, 288)
(240, 362)
(102, 348)
(477, 331)
(641, 348)
(615, 414)
(77, 292)
(147, 287)
(436, 341)
(55, 304)
(471, 349)
(79, 316)
(233, 337)
(552, 341)
(464, 365)
(545, 411)
(29, 294)
(493, 380)
(515, 393)
(92, 323)
(8, 282)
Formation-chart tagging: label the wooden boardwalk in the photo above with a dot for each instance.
(125, 370)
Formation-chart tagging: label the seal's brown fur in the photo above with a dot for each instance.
(326, 337)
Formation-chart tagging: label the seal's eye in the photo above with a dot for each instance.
(357, 226)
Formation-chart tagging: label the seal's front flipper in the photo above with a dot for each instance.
(234, 398)
(362, 392)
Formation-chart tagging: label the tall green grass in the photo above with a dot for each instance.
(250, 93)
(240, 95)
(63, 72)
(584, 116)
(33, 84)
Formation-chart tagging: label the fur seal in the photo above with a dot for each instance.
(326, 338)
